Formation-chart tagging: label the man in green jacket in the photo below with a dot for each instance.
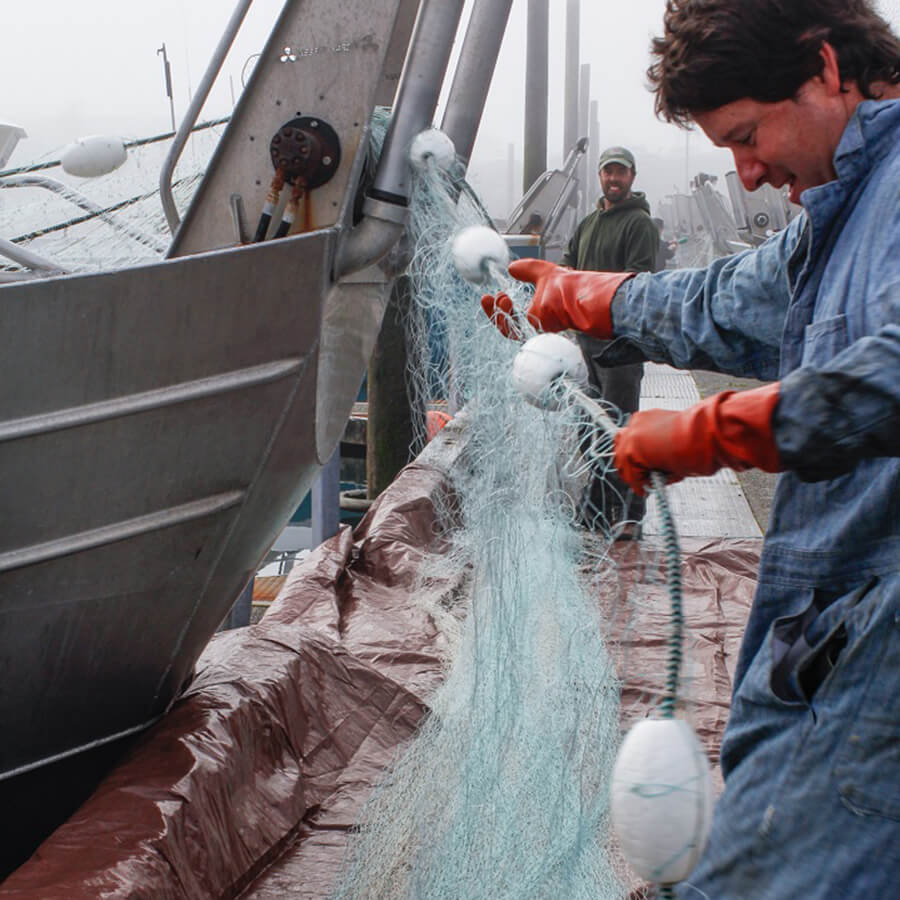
(618, 236)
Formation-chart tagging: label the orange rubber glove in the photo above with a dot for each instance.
(563, 298)
(732, 429)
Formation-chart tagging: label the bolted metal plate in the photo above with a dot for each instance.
(324, 58)
(306, 150)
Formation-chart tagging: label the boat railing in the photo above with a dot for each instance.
(193, 113)
(40, 266)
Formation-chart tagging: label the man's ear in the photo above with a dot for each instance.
(831, 73)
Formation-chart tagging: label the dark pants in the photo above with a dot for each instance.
(607, 500)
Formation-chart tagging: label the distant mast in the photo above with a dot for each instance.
(167, 71)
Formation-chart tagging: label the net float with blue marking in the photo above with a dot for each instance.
(661, 789)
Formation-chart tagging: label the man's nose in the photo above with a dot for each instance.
(750, 169)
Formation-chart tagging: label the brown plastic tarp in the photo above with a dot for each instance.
(248, 786)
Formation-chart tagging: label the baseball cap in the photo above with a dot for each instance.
(616, 155)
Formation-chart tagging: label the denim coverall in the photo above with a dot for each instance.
(811, 754)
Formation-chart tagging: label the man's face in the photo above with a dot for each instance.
(615, 182)
(788, 142)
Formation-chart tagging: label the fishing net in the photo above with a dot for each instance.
(109, 222)
(504, 792)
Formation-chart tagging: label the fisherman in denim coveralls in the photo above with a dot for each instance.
(803, 93)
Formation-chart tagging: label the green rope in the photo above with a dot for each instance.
(673, 577)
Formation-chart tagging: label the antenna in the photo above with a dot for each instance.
(167, 69)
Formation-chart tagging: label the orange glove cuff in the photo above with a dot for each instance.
(726, 430)
(587, 299)
(742, 426)
(566, 298)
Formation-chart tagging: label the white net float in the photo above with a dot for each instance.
(475, 248)
(90, 157)
(432, 146)
(543, 360)
(662, 799)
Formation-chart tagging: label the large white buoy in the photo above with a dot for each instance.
(662, 799)
(542, 360)
(95, 155)
(432, 145)
(474, 248)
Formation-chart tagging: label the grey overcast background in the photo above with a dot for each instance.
(71, 69)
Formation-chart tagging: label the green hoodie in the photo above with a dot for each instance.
(622, 238)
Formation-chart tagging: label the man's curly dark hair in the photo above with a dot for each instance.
(713, 52)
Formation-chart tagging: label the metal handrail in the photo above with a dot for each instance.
(82, 202)
(193, 112)
(569, 167)
(31, 260)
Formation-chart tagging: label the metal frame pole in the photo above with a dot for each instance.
(536, 67)
(593, 149)
(570, 122)
(325, 500)
(417, 95)
(584, 103)
(474, 71)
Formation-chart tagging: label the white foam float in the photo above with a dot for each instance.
(432, 145)
(92, 156)
(542, 360)
(662, 799)
(474, 248)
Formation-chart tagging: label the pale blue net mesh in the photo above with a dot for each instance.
(504, 791)
(109, 222)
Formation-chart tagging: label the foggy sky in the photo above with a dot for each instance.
(72, 69)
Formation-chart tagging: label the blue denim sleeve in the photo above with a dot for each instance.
(728, 317)
(829, 418)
